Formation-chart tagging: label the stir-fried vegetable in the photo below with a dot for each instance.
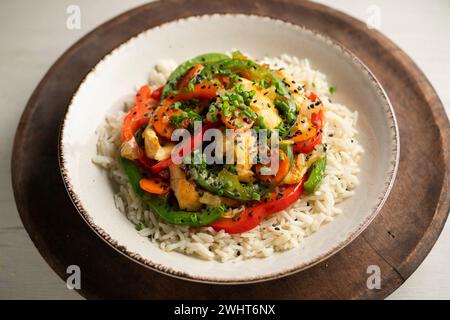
(166, 109)
(308, 145)
(140, 114)
(160, 205)
(252, 216)
(194, 143)
(225, 93)
(315, 175)
(154, 186)
(285, 162)
(265, 77)
(224, 183)
(175, 76)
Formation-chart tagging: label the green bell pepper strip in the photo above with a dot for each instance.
(163, 209)
(225, 183)
(160, 205)
(133, 174)
(184, 67)
(316, 173)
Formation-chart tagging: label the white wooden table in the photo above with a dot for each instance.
(34, 33)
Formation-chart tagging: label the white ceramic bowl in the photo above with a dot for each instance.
(116, 77)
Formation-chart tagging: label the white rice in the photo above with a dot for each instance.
(282, 231)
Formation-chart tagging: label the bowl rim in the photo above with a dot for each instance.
(136, 257)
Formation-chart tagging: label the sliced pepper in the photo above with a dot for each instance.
(195, 219)
(175, 76)
(160, 205)
(307, 146)
(191, 74)
(161, 123)
(139, 114)
(154, 185)
(251, 217)
(157, 94)
(315, 176)
(224, 183)
(286, 158)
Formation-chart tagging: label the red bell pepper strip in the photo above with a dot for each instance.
(160, 166)
(312, 96)
(139, 114)
(317, 119)
(251, 217)
(290, 195)
(144, 162)
(132, 122)
(157, 94)
(143, 96)
(308, 145)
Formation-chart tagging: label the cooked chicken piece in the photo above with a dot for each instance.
(228, 145)
(240, 147)
(185, 192)
(153, 148)
(262, 103)
(215, 201)
(164, 152)
(245, 151)
(301, 97)
(130, 149)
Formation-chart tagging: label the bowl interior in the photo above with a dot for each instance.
(118, 75)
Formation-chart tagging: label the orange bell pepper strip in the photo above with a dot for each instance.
(191, 74)
(307, 146)
(275, 177)
(154, 185)
(164, 112)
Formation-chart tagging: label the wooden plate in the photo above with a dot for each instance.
(397, 240)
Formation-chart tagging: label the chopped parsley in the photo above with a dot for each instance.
(177, 119)
(139, 226)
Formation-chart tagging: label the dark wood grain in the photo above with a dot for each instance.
(398, 239)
